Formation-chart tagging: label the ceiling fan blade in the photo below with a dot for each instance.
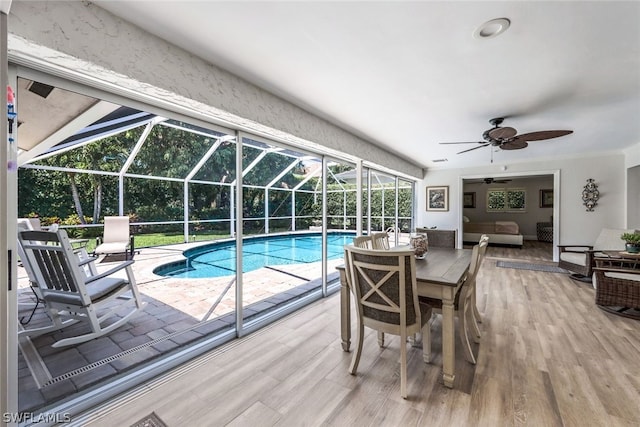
(469, 142)
(545, 134)
(503, 133)
(474, 148)
(515, 144)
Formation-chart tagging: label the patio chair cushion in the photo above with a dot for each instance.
(624, 276)
(574, 258)
(112, 248)
(97, 290)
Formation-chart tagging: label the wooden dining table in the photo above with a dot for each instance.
(439, 276)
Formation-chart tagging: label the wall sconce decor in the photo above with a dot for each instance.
(590, 195)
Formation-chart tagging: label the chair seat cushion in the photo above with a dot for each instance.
(97, 290)
(112, 248)
(574, 258)
(624, 276)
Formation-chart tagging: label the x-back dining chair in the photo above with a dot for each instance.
(384, 284)
(378, 241)
(72, 294)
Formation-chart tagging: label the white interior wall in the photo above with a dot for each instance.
(632, 163)
(632, 156)
(81, 41)
(576, 226)
(633, 197)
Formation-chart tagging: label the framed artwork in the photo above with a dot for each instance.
(469, 200)
(546, 198)
(438, 198)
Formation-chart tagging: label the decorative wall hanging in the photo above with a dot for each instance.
(590, 195)
(469, 200)
(438, 198)
(546, 198)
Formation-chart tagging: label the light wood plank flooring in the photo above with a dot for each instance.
(548, 357)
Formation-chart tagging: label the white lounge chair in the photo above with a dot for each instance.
(116, 237)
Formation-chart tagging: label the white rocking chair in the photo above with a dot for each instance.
(72, 293)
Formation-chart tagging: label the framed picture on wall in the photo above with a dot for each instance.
(546, 198)
(469, 200)
(438, 198)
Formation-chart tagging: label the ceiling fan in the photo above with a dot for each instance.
(488, 181)
(492, 181)
(507, 138)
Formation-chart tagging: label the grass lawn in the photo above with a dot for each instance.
(160, 239)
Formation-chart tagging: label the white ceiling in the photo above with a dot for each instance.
(408, 75)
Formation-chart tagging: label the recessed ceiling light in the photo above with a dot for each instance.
(492, 28)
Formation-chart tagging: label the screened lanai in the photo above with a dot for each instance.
(170, 175)
(232, 230)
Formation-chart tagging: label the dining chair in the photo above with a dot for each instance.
(373, 241)
(363, 242)
(473, 311)
(385, 289)
(439, 238)
(476, 314)
(462, 307)
(380, 240)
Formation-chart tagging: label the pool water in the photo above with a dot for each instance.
(219, 259)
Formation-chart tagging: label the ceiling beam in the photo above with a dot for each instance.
(91, 115)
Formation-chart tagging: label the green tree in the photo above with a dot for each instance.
(107, 155)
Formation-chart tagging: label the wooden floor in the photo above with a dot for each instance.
(548, 357)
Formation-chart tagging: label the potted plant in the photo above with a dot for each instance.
(633, 242)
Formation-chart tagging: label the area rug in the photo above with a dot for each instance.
(531, 266)
(151, 420)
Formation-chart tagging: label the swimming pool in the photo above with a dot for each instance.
(219, 259)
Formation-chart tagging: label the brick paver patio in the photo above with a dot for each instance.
(177, 312)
